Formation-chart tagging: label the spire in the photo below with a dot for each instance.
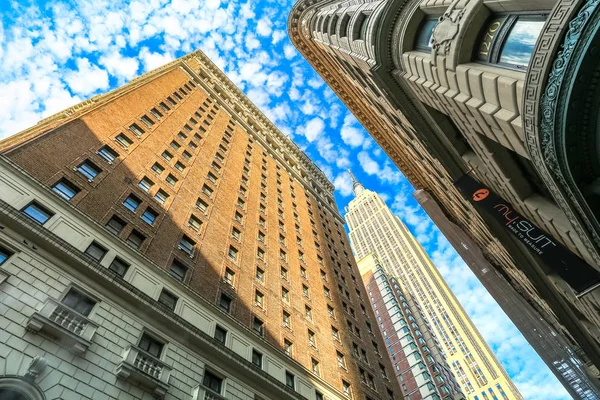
(357, 187)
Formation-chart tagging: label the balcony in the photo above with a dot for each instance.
(148, 370)
(202, 393)
(74, 330)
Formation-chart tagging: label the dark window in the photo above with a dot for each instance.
(65, 189)
(119, 266)
(168, 299)
(319, 396)
(290, 380)
(137, 131)
(89, 170)
(115, 225)
(135, 239)
(38, 213)
(78, 302)
(344, 25)
(108, 154)
(220, 334)
(225, 303)
(257, 358)
(151, 345)
(212, 382)
(149, 216)
(258, 325)
(132, 202)
(186, 244)
(4, 255)
(423, 38)
(360, 27)
(508, 40)
(96, 251)
(178, 270)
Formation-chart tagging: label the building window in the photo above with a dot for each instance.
(150, 345)
(119, 266)
(341, 360)
(259, 299)
(178, 270)
(171, 180)
(137, 131)
(201, 205)
(316, 369)
(229, 277)
(288, 347)
(212, 382)
(179, 166)
(257, 358)
(157, 168)
(89, 170)
(96, 251)
(132, 203)
(286, 317)
(161, 196)
(360, 27)
(79, 302)
(335, 333)
(167, 299)
(225, 303)
(108, 154)
(4, 255)
(149, 216)
(290, 380)
(258, 325)
(508, 40)
(123, 140)
(186, 244)
(145, 184)
(167, 156)
(308, 312)
(260, 275)
(135, 239)
(65, 189)
(319, 396)
(284, 274)
(220, 334)
(285, 295)
(344, 26)
(347, 389)
(423, 38)
(38, 213)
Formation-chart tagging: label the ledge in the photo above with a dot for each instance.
(148, 370)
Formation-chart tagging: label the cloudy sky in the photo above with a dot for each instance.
(54, 54)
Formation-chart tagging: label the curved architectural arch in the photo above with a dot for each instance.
(14, 388)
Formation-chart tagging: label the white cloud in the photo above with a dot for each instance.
(277, 36)
(385, 173)
(351, 134)
(119, 66)
(263, 26)
(152, 60)
(312, 130)
(289, 51)
(87, 79)
(343, 184)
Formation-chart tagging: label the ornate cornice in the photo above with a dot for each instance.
(542, 91)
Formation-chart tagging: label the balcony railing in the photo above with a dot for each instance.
(202, 393)
(75, 330)
(146, 369)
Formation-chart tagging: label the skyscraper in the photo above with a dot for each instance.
(165, 239)
(375, 229)
(421, 369)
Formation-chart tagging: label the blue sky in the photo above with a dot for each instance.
(54, 54)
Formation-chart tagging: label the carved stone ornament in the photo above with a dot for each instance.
(36, 367)
(446, 30)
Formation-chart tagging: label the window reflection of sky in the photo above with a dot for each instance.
(520, 42)
(424, 36)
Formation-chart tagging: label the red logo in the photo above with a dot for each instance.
(480, 194)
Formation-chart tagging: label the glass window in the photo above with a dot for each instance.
(145, 184)
(96, 251)
(78, 302)
(161, 196)
(65, 189)
(135, 239)
(186, 244)
(225, 303)
(290, 380)
(158, 168)
(119, 266)
(89, 170)
(108, 154)
(149, 216)
(151, 345)
(258, 325)
(178, 270)
(167, 299)
(212, 382)
(423, 38)
(220, 334)
(38, 213)
(257, 358)
(132, 203)
(519, 44)
(123, 140)
(4, 255)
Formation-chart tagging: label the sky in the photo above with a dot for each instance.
(54, 54)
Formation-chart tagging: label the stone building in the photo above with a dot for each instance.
(412, 346)
(166, 240)
(374, 229)
(478, 91)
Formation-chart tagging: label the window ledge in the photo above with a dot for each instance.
(141, 367)
(3, 276)
(60, 321)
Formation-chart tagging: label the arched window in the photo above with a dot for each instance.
(325, 26)
(344, 25)
(423, 37)
(359, 32)
(508, 40)
(19, 389)
(334, 21)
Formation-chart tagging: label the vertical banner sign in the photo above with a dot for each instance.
(578, 274)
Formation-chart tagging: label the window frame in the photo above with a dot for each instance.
(64, 182)
(40, 209)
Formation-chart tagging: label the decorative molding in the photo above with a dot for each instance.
(543, 85)
(36, 367)
(446, 30)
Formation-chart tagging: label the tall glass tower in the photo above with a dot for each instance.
(375, 229)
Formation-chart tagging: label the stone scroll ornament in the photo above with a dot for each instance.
(446, 30)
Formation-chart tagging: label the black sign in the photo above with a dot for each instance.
(578, 274)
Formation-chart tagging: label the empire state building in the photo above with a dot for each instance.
(375, 229)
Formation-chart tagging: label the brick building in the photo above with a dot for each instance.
(483, 91)
(411, 344)
(165, 239)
